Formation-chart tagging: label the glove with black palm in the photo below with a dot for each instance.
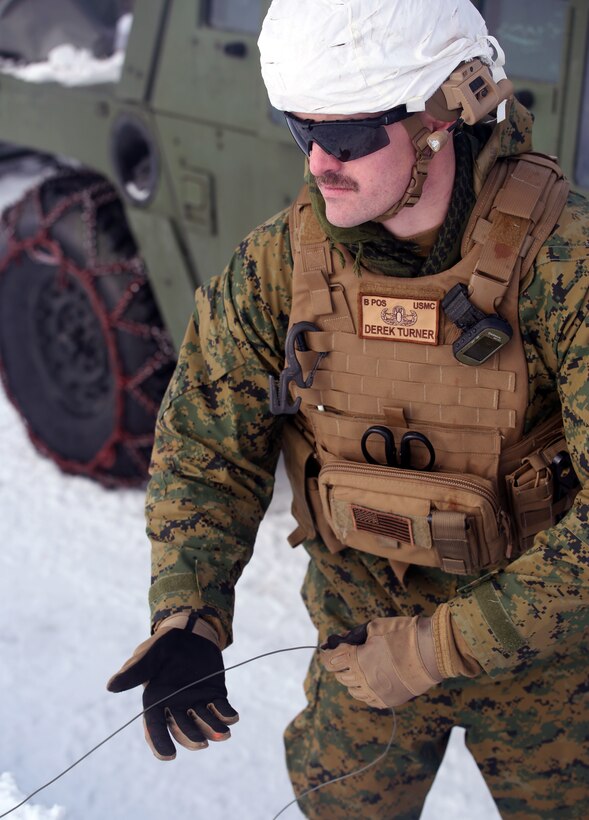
(174, 658)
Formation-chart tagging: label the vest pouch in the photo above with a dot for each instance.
(445, 520)
(537, 500)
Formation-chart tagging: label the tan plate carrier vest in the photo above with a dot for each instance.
(491, 489)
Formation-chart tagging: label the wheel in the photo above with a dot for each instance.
(84, 356)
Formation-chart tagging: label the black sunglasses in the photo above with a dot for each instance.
(345, 139)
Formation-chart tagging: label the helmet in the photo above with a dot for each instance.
(368, 56)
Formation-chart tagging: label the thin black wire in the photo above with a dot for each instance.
(345, 776)
(140, 714)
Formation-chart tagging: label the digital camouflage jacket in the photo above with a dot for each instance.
(217, 444)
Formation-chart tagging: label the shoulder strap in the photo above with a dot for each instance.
(311, 255)
(515, 213)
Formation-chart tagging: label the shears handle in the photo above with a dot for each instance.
(408, 437)
(390, 451)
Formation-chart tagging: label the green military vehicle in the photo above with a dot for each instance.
(154, 176)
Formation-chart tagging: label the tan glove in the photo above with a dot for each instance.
(392, 660)
(395, 662)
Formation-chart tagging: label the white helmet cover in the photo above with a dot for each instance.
(364, 56)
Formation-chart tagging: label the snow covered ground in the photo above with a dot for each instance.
(74, 571)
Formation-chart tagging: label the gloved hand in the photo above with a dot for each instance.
(172, 658)
(385, 662)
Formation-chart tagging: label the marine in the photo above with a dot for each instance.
(446, 610)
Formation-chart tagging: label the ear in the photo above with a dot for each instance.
(433, 123)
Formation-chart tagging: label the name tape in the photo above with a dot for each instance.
(399, 320)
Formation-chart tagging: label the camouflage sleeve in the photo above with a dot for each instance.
(216, 443)
(542, 599)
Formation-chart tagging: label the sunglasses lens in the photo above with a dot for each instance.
(344, 140)
(348, 142)
(300, 132)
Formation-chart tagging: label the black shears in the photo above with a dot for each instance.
(401, 459)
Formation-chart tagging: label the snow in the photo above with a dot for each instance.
(73, 66)
(10, 796)
(68, 65)
(74, 573)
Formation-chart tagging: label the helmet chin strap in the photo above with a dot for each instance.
(426, 144)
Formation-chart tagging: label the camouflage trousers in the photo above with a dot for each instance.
(528, 731)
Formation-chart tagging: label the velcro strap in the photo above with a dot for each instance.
(498, 260)
(497, 618)
(315, 257)
(316, 282)
(523, 190)
(451, 541)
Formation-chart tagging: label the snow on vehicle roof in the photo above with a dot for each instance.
(72, 66)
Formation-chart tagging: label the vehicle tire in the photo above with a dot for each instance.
(84, 356)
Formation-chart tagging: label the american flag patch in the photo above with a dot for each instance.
(388, 524)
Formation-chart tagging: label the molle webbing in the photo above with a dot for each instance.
(368, 381)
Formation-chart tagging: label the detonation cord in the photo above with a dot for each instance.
(187, 686)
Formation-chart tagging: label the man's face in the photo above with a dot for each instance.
(361, 189)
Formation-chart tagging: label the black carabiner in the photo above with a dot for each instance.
(292, 372)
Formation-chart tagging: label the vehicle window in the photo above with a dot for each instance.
(244, 16)
(531, 33)
(582, 163)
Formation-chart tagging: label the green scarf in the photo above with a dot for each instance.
(374, 248)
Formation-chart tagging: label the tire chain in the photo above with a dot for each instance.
(41, 247)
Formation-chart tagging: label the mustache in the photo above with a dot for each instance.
(331, 179)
